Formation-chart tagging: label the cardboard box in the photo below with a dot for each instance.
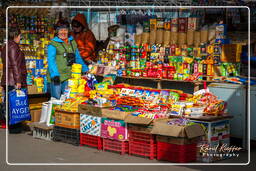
(67, 119)
(114, 114)
(162, 128)
(90, 124)
(138, 120)
(114, 129)
(231, 53)
(217, 133)
(177, 140)
(141, 128)
(35, 115)
(90, 110)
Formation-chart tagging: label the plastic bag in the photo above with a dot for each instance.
(18, 106)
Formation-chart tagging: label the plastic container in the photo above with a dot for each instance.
(117, 146)
(67, 135)
(91, 140)
(176, 153)
(142, 148)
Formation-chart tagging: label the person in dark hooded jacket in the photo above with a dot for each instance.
(84, 38)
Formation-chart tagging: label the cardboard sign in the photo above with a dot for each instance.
(114, 129)
(90, 124)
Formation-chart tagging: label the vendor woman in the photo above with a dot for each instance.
(62, 53)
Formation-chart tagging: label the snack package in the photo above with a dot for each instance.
(109, 78)
(177, 108)
(164, 95)
(102, 86)
(173, 97)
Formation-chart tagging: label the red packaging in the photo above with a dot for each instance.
(148, 64)
(159, 73)
(195, 67)
(145, 73)
(183, 25)
(165, 72)
(173, 47)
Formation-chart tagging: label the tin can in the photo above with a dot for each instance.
(193, 23)
(148, 64)
(146, 26)
(167, 24)
(177, 51)
(133, 64)
(153, 22)
(173, 48)
(183, 25)
(160, 23)
(196, 68)
(200, 68)
(137, 64)
(205, 69)
(209, 70)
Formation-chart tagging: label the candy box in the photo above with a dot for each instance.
(90, 124)
(114, 129)
(114, 114)
(138, 120)
(161, 127)
(90, 109)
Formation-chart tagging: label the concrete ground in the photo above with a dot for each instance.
(23, 148)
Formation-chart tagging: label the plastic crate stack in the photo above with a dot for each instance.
(176, 153)
(115, 135)
(67, 127)
(142, 144)
(90, 128)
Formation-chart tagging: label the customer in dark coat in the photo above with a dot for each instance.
(16, 66)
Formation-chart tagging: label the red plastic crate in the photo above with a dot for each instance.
(176, 153)
(115, 145)
(175, 147)
(142, 148)
(90, 140)
(139, 136)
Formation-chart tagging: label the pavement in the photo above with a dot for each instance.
(23, 148)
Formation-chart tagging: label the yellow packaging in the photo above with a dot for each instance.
(73, 83)
(76, 76)
(153, 24)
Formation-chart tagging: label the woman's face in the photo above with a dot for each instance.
(18, 38)
(63, 33)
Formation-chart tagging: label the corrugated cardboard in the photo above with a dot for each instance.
(90, 110)
(141, 128)
(114, 114)
(35, 115)
(162, 128)
(67, 119)
(176, 140)
(138, 120)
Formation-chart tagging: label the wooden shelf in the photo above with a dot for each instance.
(160, 80)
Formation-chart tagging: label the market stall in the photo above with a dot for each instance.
(132, 99)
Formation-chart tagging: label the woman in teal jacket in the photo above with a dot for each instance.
(62, 53)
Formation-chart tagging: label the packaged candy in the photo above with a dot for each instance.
(109, 78)
(102, 86)
(173, 97)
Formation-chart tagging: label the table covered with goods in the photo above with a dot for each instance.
(162, 124)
